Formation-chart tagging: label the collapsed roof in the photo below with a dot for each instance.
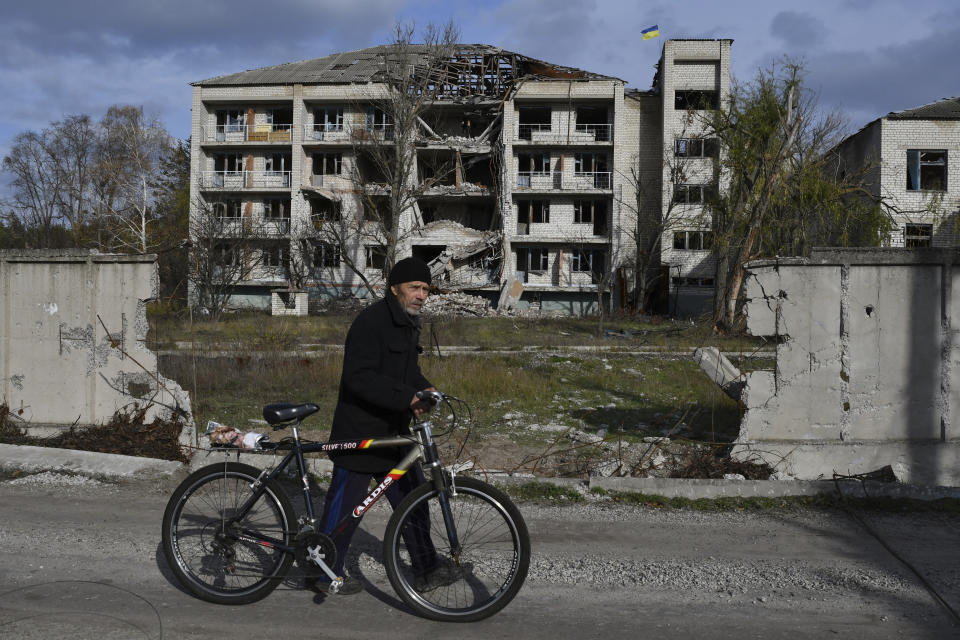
(470, 70)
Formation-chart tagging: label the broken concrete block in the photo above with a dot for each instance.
(510, 295)
(720, 370)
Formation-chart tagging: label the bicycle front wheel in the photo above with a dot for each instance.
(216, 555)
(474, 583)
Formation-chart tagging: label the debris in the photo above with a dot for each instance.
(457, 304)
(720, 370)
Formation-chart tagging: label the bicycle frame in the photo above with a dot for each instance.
(422, 447)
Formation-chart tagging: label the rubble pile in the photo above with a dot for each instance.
(457, 304)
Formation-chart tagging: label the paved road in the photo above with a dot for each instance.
(83, 561)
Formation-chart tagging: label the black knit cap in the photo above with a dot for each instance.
(409, 270)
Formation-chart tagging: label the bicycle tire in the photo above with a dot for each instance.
(227, 569)
(493, 562)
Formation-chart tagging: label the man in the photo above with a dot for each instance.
(377, 397)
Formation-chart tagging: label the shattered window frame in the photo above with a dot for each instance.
(277, 208)
(326, 255)
(375, 256)
(322, 120)
(330, 163)
(228, 208)
(917, 235)
(272, 255)
(926, 170)
(696, 148)
(695, 99)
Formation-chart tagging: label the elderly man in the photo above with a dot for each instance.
(378, 388)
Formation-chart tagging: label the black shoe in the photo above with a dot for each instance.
(443, 574)
(348, 587)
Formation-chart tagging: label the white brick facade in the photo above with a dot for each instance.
(883, 147)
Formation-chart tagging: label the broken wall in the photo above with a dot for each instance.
(72, 331)
(866, 355)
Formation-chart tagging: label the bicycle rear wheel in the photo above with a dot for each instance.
(220, 560)
(486, 574)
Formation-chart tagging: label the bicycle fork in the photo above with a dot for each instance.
(431, 459)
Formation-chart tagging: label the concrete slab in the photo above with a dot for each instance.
(107, 465)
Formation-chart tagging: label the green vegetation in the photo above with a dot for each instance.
(255, 330)
(542, 492)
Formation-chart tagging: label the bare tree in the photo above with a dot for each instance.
(384, 168)
(224, 251)
(50, 173)
(130, 154)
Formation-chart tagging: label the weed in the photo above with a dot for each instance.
(543, 492)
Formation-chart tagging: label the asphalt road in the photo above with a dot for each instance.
(83, 561)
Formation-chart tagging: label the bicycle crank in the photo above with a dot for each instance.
(312, 551)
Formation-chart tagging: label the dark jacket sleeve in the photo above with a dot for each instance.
(362, 368)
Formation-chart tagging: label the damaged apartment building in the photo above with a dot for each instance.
(545, 180)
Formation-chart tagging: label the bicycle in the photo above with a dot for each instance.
(231, 534)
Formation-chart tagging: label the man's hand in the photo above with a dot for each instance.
(418, 406)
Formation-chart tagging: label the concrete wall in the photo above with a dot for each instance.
(72, 331)
(864, 368)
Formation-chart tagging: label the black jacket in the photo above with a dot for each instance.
(380, 377)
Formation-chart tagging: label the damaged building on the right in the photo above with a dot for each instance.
(544, 181)
(909, 157)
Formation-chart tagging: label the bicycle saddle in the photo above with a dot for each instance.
(278, 412)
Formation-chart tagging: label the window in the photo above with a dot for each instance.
(692, 193)
(231, 120)
(533, 211)
(693, 240)
(695, 99)
(917, 235)
(277, 163)
(532, 259)
(589, 162)
(281, 118)
(226, 255)
(695, 148)
(532, 118)
(534, 162)
(324, 211)
(326, 256)
(587, 211)
(272, 255)
(926, 170)
(327, 164)
(328, 119)
(688, 281)
(276, 208)
(379, 120)
(231, 208)
(228, 163)
(376, 256)
(588, 261)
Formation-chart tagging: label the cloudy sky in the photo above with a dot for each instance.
(865, 57)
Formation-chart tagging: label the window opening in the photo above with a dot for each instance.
(926, 170)
(917, 235)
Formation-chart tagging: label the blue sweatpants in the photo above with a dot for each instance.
(349, 488)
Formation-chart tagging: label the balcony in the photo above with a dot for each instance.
(247, 133)
(581, 134)
(579, 181)
(276, 226)
(238, 180)
(328, 132)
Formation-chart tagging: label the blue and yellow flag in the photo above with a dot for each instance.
(652, 32)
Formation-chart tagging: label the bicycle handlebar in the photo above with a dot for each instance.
(433, 397)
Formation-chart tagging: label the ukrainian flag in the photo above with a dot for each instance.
(652, 32)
